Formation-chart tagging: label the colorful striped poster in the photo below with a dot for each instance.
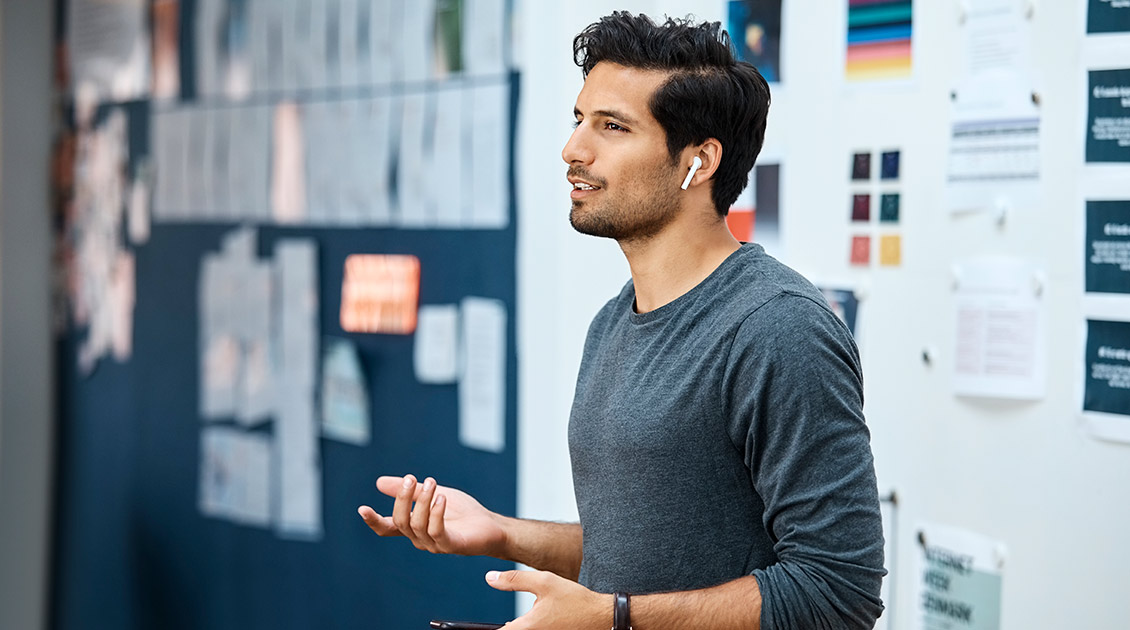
(879, 33)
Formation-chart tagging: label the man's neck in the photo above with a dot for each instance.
(677, 259)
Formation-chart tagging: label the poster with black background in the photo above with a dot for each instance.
(1108, 116)
(1108, 16)
(1107, 255)
(1108, 367)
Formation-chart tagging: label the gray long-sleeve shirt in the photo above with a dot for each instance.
(722, 435)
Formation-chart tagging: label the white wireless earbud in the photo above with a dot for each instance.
(695, 165)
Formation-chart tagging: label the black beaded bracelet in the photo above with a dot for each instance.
(621, 613)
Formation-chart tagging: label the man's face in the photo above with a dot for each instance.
(625, 185)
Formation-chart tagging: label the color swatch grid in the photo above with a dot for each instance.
(879, 36)
(871, 186)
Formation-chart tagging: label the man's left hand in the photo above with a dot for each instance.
(561, 603)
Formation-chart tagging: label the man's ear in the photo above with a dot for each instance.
(710, 153)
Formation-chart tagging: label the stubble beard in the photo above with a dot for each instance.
(636, 218)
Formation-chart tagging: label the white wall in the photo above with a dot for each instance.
(25, 350)
(1023, 473)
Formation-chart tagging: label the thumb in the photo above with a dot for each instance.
(511, 580)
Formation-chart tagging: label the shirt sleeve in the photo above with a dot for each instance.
(793, 395)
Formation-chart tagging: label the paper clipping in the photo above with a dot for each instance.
(958, 578)
(1000, 332)
(994, 154)
(436, 355)
(1106, 380)
(345, 397)
(482, 387)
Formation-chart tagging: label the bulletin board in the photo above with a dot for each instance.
(178, 160)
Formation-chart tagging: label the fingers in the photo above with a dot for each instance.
(382, 525)
(421, 514)
(402, 507)
(412, 512)
(436, 527)
(526, 581)
(391, 486)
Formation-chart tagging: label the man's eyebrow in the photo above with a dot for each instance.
(608, 113)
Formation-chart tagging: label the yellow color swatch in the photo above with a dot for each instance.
(890, 250)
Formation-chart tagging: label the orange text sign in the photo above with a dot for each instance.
(379, 294)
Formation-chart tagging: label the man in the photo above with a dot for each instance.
(721, 464)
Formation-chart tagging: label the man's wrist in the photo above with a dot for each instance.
(502, 548)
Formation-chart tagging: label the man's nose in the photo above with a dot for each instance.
(577, 149)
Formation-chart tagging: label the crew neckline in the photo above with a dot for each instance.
(677, 303)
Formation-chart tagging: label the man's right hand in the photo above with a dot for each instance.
(437, 518)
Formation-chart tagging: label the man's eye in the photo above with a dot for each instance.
(611, 126)
(576, 123)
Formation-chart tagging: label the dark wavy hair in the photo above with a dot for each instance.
(709, 93)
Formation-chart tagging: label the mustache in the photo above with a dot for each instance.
(582, 173)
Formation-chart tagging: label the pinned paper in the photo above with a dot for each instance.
(299, 512)
(435, 357)
(994, 151)
(958, 579)
(379, 294)
(1106, 379)
(482, 386)
(490, 161)
(345, 397)
(999, 340)
(235, 475)
(236, 370)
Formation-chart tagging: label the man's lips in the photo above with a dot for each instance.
(581, 187)
(582, 190)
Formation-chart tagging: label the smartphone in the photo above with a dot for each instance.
(463, 625)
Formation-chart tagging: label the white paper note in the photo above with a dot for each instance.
(300, 493)
(490, 156)
(482, 384)
(994, 154)
(447, 159)
(235, 475)
(957, 581)
(1000, 333)
(436, 352)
